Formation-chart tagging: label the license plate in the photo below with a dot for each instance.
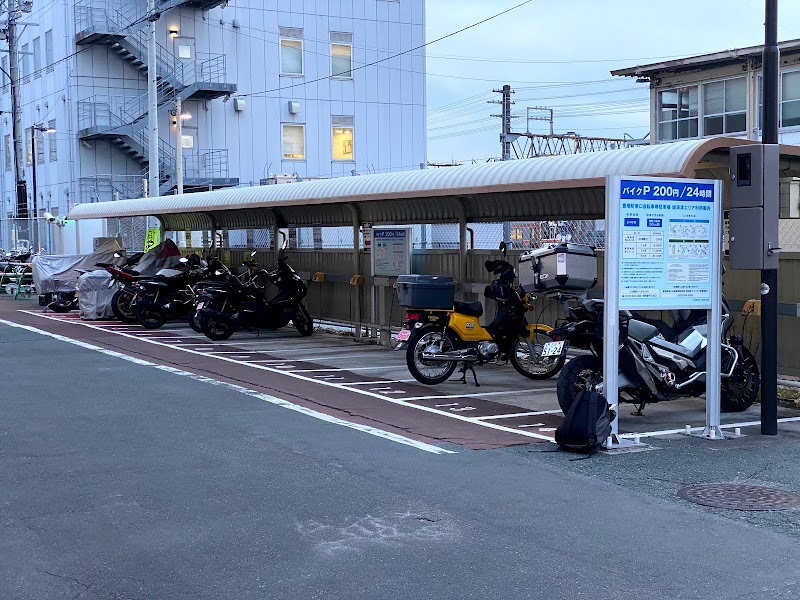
(403, 335)
(553, 349)
(200, 305)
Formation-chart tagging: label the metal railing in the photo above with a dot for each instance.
(104, 188)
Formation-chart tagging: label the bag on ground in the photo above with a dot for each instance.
(587, 424)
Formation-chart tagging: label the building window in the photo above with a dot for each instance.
(49, 57)
(26, 63)
(725, 106)
(37, 57)
(39, 146)
(342, 138)
(342, 60)
(790, 99)
(677, 114)
(28, 148)
(184, 51)
(6, 80)
(7, 145)
(294, 146)
(51, 124)
(291, 57)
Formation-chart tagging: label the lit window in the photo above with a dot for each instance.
(187, 141)
(677, 114)
(294, 142)
(342, 143)
(725, 106)
(7, 141)
(291, 57)
(39, 147)
(341, 60)
(184, 51)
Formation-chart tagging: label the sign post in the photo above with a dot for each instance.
(663, 252)
(390, 256)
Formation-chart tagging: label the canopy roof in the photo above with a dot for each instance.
(555, 187)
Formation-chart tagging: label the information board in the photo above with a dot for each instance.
(665, 242)
(391, 251)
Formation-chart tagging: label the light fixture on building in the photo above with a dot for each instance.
(173, 31)
(294, 107)
(185, 116)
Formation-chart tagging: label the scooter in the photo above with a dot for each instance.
(441, 340)
(236, 305)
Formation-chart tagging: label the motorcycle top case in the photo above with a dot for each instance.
(426, 291)
(561, 267)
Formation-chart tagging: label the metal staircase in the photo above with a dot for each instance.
(122, 120)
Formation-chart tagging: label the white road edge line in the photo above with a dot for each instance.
(341, 386)
(243, 390)
(480, 394)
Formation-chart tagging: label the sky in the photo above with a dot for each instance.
(559, 54)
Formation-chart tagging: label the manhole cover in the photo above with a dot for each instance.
(739, 497)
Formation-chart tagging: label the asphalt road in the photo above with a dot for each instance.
(122, 480)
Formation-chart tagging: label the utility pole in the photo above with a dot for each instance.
(152, 101)
(769, 277)
(179, 144)
(505, 138)
(22, 212)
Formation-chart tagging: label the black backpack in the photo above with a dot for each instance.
(587, 424)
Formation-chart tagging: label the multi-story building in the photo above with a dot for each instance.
(718, 94)
(315, 89)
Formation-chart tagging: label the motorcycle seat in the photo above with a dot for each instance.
(151, 283)
(473, 309)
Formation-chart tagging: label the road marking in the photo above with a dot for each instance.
(701, 428)
(350, 369)
(243, 390)
(523, 414)
(533, 425)
(463, 408)
(481, 394)
(341, 386)
(377, 382)
(443, 405)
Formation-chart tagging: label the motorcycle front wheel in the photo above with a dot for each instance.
(429, 372)
(215, 329)
(195, 320)
(528, 361)
(149, 317)
(581, 373)
(302, 321)
(740, 390)
(121, 306)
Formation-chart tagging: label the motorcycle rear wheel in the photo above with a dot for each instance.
(148, 317)
(430, 372)
(302, 321)
(121, 306)
(581, 373)
(740, 390)
(195, 319)
(535, 367)
(215, 329)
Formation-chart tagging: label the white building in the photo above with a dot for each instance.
(312, 88)
(718, 94)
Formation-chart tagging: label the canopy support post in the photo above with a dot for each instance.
(462, 251)
(355, 288)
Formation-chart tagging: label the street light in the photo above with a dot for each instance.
(35, 215)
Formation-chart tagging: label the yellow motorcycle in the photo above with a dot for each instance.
(440, 340)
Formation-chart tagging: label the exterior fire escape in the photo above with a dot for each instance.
(123, 119)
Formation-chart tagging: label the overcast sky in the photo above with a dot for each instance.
(558, 53)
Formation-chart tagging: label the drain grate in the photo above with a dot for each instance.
(739, 497)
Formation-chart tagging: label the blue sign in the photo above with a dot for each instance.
(665, 243)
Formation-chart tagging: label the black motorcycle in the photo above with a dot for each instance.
(235, 305)
(169, 295)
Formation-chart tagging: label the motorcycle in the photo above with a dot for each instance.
(168, 295)
(657, 361)
(236, 305)
(123, 277)
(442, 339)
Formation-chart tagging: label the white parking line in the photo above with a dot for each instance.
(344, 369)
(341, 386)
(237, 388)
(535, 424)
(696, 429)
(524, 414)
(481, 394)
(377, 382)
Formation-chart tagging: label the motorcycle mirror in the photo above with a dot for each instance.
(252, 254)
(503, 249)
(219, 272)
(117, 255)
(183, 259)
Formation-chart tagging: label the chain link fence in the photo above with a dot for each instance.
(132, 231)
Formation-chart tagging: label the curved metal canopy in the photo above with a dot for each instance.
(556, 187)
